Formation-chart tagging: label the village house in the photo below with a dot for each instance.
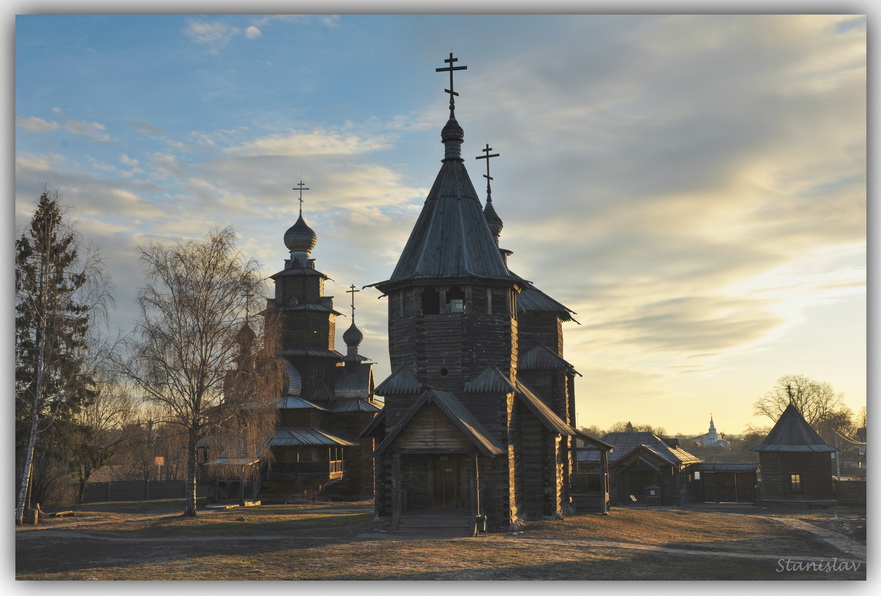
(644, 468)
(795, 463)
(478, 426)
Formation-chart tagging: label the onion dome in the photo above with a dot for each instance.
(300, 237)
(492, 220)
(245, 336)
(353, 336)
(452, 136)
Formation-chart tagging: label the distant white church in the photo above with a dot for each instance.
(711, 438)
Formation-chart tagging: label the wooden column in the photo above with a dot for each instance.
(397, 490)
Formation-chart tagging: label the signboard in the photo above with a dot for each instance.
(160, 461)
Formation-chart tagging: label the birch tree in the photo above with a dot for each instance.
(60, 289)
(194, 304)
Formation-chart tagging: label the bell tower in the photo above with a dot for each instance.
(452, 303)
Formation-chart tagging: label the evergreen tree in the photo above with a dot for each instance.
(59, 286)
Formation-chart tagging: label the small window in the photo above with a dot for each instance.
(430, 302)
(455, 298)
(795, 482)
(697, 475)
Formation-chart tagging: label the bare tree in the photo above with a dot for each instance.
(620, 427)
(821, 406)
(97, 431)
(60, 289)
(239, 441)
(193, 306)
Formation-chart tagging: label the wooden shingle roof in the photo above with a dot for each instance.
(451, 239)
(625, 442)
(402, 381)
(793, 434)
(490, 380)
(543, 412)
(307, 437)
(540, 357)
(531, 299)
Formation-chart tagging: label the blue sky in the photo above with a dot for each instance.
(693, 186)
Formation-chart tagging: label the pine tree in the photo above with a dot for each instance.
(57, 291)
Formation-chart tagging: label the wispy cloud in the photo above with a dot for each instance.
(35, 125)
(214, 35)
(316, 142)
(92, 130)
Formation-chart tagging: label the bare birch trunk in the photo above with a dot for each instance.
(192, 453)
(21, 504)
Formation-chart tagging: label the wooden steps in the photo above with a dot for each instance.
(439, 526)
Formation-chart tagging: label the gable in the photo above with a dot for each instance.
(463, 420)
(431, 429)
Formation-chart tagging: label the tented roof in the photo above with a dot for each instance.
(793, 434)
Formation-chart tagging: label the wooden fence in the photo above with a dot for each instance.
(851, 492)
(137, 490)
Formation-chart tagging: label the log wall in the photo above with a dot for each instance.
(815, 470)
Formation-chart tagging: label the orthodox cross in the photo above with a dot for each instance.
(352, 291)
(450, 69)
(301, 188)
(247, 304)
(487, 157)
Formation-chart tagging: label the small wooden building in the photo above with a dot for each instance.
(795, 463)
(725, 482)
(591, 483)
(642, 463)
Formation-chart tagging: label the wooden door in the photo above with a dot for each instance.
(446, 481)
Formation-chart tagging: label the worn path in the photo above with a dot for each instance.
(839, 541)
(842, 543)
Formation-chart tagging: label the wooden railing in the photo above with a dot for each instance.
(328, 468)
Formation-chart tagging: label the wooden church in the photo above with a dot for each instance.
(329, 397)
(479, 418)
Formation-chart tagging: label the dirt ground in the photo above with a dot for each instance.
(335, 541)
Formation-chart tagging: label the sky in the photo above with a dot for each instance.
(693, 187)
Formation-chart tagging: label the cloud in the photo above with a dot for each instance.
(35, 125)
(145, 128)
(38, 163)
(91, 130)
(316, 142)
(693, 186)
(216, 35)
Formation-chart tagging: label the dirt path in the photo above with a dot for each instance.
(842, 543)
(839, 541)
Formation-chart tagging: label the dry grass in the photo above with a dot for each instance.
(339, 542)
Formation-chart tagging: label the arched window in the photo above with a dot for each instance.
(430, 302)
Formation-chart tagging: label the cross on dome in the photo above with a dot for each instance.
(301, 188)
(487, 157)
(450, 69)
(353, 291)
